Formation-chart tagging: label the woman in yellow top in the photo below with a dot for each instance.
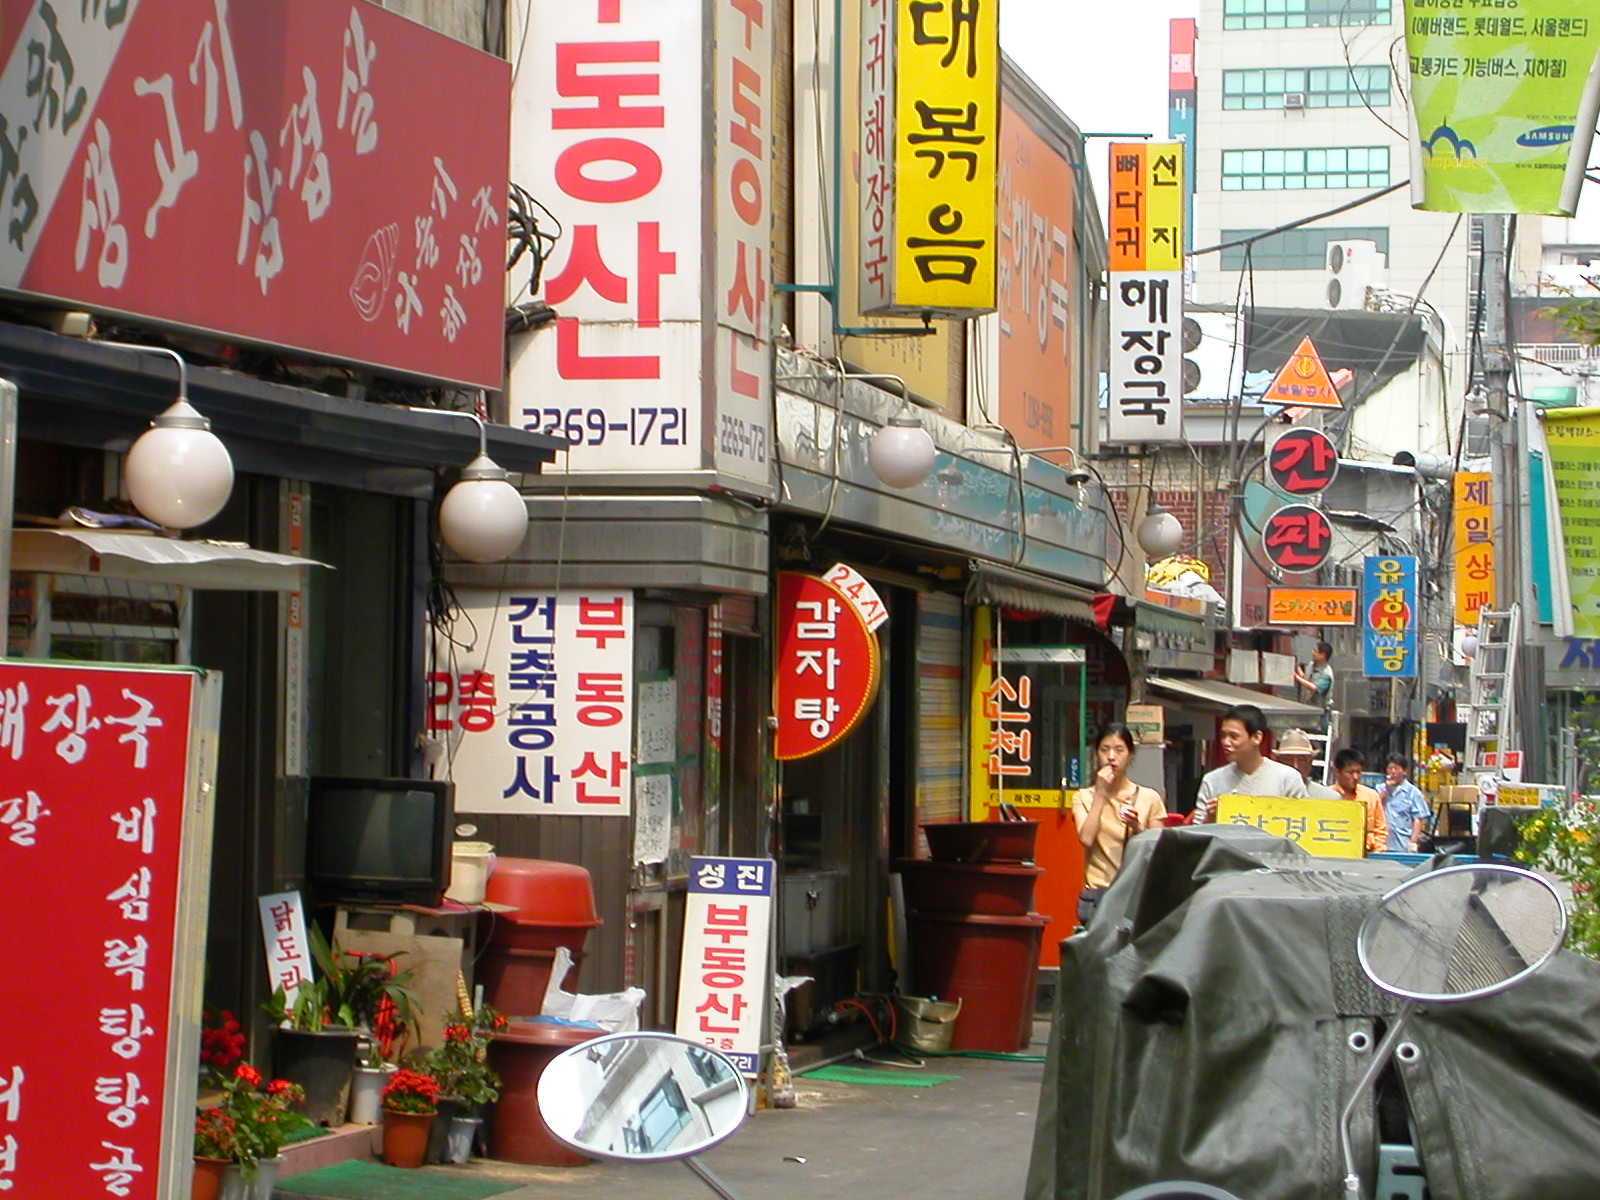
(1109, 813)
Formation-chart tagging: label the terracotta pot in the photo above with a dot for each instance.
(405, 1137)
(208, 1173)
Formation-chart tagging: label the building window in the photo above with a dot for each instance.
(1297, 249)
(1298, 14)
(1322, 87)
(1333, 167)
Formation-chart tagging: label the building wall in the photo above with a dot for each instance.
(479, 23)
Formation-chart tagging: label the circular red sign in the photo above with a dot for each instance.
(1297, 538)
(827, 670)
(1303, 461)
(1389, 614)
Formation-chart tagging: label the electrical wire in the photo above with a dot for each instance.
(1296, 224)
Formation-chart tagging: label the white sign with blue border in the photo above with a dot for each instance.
(724, 975)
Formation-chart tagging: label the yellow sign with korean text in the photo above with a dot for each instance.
(1311, 606)
(1326, 828)
(946, 132)
(1474, 548)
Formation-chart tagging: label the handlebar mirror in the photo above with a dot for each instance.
(641, 1097)
(1461, 933)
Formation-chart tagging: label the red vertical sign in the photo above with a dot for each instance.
(92, 807)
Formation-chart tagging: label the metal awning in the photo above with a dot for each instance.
(1169, 622)
(1009, 587)
(1213, 693)
(213, 566)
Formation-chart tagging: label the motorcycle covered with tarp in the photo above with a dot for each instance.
(1214, 1020)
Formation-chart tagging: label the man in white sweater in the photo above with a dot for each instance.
(1248, 771)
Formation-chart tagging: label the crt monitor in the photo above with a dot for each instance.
(383, 840)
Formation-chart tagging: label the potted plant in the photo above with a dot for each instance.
(466, 1083)
(248, 1125)
(318, 1031)
(410, 1099)
(366, 1088)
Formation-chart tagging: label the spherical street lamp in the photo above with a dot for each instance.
(1159, 534)
(902, 452)
(178, 473)
(483, 518)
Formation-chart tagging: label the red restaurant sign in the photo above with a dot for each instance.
(329, 177)
(93, 815)
(827, 666)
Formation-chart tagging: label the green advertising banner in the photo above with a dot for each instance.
(1504, 94)
(1573, 435)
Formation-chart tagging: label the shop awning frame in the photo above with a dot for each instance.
(212, 566)
(1008, 587)
(1213, 693)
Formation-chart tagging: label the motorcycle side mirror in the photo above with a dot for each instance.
(643, 1097)
(1451, 935)
(1461, 933)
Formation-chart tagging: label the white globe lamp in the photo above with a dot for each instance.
(902, 452)
(178, 472)
(1159, 534)
(1468, 643)
(483, 518)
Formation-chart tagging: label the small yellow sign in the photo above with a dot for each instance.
(1326, 828)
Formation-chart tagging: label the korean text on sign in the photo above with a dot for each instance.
(1474, 545)
(541, 717)
(723, 981)
(1328, 828)
(1389, 617)
(94, 775)
(827, 666)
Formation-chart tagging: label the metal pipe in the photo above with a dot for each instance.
(8, 496)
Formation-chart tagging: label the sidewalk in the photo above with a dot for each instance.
(967, 1137)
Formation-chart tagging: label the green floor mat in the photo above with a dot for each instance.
(886, 1078)
(362, 1180)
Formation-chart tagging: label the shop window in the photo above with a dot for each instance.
(1306, 168)
(1317, 87)
(1302, 14)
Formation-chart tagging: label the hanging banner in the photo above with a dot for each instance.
(1389, 617)
(827, 672)
(105, 834)
(1145, 243)
(1504, 103)
(537, 704)
(1474, 545)
(722, 980)
(930, 94)
(1573, 435)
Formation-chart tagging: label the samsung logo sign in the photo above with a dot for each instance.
(1548, 135)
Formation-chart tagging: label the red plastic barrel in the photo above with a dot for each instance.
(519, 1056)
(998, 889)
(987, 962)
(554, 906)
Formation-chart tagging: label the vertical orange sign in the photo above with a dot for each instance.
(1126, 184)
(1474, 549)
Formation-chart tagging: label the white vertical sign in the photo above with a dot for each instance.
(1146, 396)
(283, 933)
(723, 978)
(537, 707)
(876, 146)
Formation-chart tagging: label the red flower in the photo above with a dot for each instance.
(248, 1073)
(500, 1022)
(457, 1033)
(278, 1086)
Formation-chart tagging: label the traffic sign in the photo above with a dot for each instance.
(1297, 538)
(1303, 381)
(1303, 461)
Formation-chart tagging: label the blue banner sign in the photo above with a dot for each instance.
(1389, 617)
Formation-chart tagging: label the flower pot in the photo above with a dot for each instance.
(366, 1101)
(208, 1176)
(449, 1108)
(405, 1137)
(321, 1062)
(463, 1136)
(266, 1178)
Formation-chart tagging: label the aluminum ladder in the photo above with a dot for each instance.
(1322, 746)
(1491, 689)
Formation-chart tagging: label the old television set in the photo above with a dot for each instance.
(382, 841)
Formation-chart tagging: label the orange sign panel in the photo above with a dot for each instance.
(1311, 606)
(1303, 381)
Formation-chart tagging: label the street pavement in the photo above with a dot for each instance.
(966, 1138)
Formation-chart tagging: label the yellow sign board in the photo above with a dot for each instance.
(944, 93)
(1311, 606)
(1303, 381)
(1326, 828)
(1474, 548)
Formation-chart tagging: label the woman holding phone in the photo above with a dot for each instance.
(1109, 813)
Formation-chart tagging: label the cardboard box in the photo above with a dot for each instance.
(1148, 723)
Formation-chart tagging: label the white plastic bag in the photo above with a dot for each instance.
(618, 1012)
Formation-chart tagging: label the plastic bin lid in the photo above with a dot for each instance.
(542, 892)
(980, 918)
(542, 1032)
(935, 866)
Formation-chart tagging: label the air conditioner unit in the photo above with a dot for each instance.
(1353, 267)
(1294, 99)
(1212, 368)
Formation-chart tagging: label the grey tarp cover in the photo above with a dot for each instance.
(1201, 1031)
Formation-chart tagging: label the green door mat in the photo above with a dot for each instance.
(362, 1180)
(866, 1075)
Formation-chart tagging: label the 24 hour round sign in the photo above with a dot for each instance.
(827, 670)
